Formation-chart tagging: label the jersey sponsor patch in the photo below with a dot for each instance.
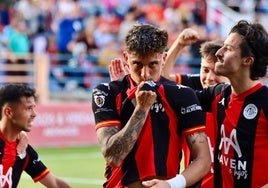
(250, 111)
(191, 108)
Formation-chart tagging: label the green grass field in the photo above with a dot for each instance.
(81, 167)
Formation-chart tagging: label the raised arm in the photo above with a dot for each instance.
(187, 37)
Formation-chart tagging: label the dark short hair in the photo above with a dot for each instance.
(12, 93)
(144, 39)
(209, 48)
(255, 43)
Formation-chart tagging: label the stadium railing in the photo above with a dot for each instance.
(34, 72)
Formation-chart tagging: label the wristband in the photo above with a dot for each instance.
(178, 182)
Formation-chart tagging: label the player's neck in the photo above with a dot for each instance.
(241, 87)
(9, 134)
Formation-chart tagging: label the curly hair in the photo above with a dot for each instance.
(144, 39)
(255, 44)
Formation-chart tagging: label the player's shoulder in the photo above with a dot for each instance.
(220, 88)
(262, 93)
(31, 151)
(168, 83)
(113, 86)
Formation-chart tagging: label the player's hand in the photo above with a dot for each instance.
(144, 98)
(188, 36)
(155, 183)
(23, 141)
(117, 69)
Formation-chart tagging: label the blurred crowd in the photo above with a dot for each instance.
(86, 33)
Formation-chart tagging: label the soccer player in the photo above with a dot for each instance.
(17, 104)
(240, 109)
(141, 119)
(206, 78)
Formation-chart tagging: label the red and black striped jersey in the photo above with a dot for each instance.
(193, 81)
(12, 165)
(157, 151)
(242, 135)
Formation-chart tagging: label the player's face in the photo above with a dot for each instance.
(145, 68)
(208, 76)
(23, 114)
(229, 57)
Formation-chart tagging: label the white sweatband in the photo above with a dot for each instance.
(178, 182)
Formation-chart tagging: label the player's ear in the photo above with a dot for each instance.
(248, 61)
(8, 111)
(164, 57)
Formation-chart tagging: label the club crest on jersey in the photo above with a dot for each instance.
(250, 111)
(99, 100)
(99, 97)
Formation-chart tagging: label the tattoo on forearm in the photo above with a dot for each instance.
(122, 144)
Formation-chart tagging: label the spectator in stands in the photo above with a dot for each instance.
(69, 22)
(84, 52)
(84, 42)
(18, 40)
(128, 21)
(18, 44)
(4, 16)
(17, 104)
(31, 12)
(39, 41)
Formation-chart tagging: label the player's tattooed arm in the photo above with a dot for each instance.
(116, 143)
(195, 139)
(201, 160)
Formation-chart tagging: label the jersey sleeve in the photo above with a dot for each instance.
(104, 106)
(35, 168)
(192, 81)
(189, 110)
(210, 96)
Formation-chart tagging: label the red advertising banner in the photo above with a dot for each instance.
(63, 124)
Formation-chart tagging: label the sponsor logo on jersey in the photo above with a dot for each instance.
(6, 179)
(191, 108)
(157, 107)
(222, 101)
(228, 142)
